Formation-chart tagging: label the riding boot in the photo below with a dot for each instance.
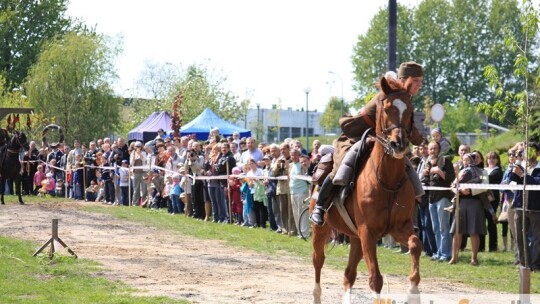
(317, 216)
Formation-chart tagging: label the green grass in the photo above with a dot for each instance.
(495, 271)
(27, 279)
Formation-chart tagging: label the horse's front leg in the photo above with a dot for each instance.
(18, 190)
(406, 236)
(369, 247)
(319, 237)
(355, 255)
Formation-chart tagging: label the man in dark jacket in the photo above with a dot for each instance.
(531, 210)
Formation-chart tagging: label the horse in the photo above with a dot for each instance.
(10, 164)
(382, 202)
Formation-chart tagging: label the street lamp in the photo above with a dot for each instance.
(341, 82)
(307, 90)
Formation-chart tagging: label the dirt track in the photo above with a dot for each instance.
(177, 266)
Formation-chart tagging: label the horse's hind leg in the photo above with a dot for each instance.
(2, 189)
(355, 255)
(319, 238)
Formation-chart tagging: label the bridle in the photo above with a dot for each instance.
(384, 140)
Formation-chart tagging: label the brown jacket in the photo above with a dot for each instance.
(353, 127)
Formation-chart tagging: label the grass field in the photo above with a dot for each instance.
(25, 279)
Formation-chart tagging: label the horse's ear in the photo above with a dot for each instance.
(385, 87)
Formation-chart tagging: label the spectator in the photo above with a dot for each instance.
(257, 194)
(439, 172)
(299, 190)
(176, 190)
(39, 177)
(495, 175)
(137, 161)
(428, 237)
(123, 177)
(508, 198)
(185, 184)
(528, 214)
(235, 195)
(252, 152)
(92, 191)
(281, 168)
(446, 147)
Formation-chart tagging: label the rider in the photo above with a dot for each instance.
(410, 74)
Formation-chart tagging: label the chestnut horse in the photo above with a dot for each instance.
(383, 200)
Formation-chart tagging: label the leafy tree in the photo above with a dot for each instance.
(454, 40)
(201, 87)
(332, 112)
(69, 86)
(24, 27)
(461, 117)
(525, 100)
(369, 53)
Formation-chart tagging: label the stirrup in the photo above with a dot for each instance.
(318, 211)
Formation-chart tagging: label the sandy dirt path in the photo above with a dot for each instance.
(179, 266)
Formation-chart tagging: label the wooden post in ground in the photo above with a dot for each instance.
(51, 241)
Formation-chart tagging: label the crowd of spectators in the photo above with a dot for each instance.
(186, 176)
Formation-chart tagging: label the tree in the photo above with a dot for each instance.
(24, 27)
(453, 39)
(524, 100)
(201, 87)
(332, 112)
(461, 117)
(69, 86)
(369, 53)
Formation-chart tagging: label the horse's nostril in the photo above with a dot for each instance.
(394, 145)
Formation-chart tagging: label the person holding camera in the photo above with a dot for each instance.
(439, 171)
(283, 192)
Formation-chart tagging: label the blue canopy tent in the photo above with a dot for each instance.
(147, 130)
(208, 120)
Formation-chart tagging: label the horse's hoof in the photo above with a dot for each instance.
(21, 203)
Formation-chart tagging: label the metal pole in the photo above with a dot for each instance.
(307, 119)
(392, 34)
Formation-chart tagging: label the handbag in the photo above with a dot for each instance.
(503, 217)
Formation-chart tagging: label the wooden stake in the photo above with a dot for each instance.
(51, 241)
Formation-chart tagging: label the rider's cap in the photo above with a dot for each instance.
(410, 69)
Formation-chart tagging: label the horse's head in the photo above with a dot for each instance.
(18, 141)
(394, 118)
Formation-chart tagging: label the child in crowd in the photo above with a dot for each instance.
(174, 194)
(158, 184)
(167, 193)
(123, 180)
(236, 197)
(247, 211)
(77, 181)
(92, 191)
(59, 189)
(51, 184)
(185, 184)
(39, 176)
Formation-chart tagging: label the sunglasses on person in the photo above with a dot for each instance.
(511, 154)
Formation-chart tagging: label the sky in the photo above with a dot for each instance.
(269, 51)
